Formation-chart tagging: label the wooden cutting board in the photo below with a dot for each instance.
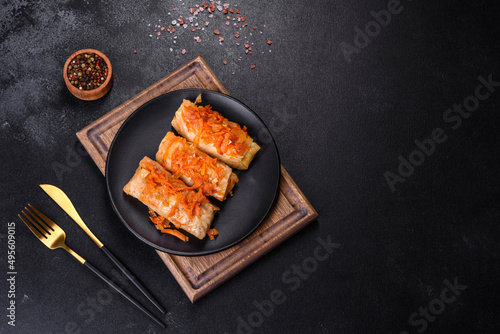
(199, 275)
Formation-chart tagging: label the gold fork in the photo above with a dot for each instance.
(54, 237)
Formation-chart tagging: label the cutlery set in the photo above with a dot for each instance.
(53, 236)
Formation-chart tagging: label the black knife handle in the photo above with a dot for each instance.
(132, 278)
(123, 293)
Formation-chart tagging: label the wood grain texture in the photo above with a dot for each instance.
(199, 275)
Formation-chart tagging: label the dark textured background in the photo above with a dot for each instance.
(339, 126)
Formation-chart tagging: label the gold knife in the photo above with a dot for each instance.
(65, 203)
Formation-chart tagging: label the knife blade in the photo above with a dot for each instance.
(65, 203)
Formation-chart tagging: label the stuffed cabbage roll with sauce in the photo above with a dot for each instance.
(195, 168)
(171, 198)
(215, 134)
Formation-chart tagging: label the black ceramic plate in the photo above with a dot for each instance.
(254, 195)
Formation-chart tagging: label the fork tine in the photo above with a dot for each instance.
(46, 220)
(40, 229)
(32, 228)
(43, 228)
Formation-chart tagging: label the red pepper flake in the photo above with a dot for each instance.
(183, 51)
(237, 35)
(217, 32)
(135, 51)
(173, 30)
(238, 16)
(252, 67)
(247, 45)
(225, 62)
(221, 39)
(211, 8)
(191, 10)
(227, 23)
(159, 33)
(254, 28)
(173, 9)
(237, 11)
(198, 40)
(236, 26)
(269, 42)
(162, 28)
(224, 11)
(231, 11)
(181, 22)
(243, 19)
(205, 5)
(228, 17)
(249, 52)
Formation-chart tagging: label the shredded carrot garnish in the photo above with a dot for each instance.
(212, 232)
(172, 186)
(198, 167)
(175, 233)
(157, 220)
(210, 127)
(190, 202)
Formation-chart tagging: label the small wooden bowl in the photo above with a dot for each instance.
(92, 94)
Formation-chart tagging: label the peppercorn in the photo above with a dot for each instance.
(87, 71)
